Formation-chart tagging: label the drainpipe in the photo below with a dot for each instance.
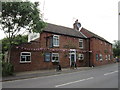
(89, 53)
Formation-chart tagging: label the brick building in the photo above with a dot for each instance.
(61, 45)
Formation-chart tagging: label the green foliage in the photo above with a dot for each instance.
(18, 18)
(0, 65)
(116, 48)
(17, 40)
(116, 52)
(7, 69)
(17, 15)
(116, 44)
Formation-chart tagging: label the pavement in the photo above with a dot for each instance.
(40, 73)
(105, 76)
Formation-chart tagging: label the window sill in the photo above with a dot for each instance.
(25, 62)
(55, 46)
(81, 47)
(54, 61)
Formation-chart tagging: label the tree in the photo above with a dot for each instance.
(17, 40)
(19, 17)
(116, 48)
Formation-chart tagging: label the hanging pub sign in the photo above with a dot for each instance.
(47, 57)
(33, 36)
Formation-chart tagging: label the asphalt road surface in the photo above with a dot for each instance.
(99, 77)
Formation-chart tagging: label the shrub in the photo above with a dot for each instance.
(7, 69)
(0, 68)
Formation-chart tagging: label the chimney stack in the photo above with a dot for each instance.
(76, 25)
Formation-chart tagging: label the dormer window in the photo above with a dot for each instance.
(56, 40)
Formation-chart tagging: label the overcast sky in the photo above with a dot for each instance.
(98, 16)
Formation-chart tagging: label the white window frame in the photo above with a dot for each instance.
(55, 40)
(106, 57)
(25, 57)
(79, 55)
(109, 57)
(101, 57)
(81, 40)
(52, 57)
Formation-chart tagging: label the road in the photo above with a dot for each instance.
(99, 77)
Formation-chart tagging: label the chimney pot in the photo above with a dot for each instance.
(76, 25)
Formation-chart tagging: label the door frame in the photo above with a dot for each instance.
(72, 52)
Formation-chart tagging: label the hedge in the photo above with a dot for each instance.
(7, 69)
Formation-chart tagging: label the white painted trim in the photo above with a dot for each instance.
(58, 40)
(74, 82)
(58, 57)
(82, 44)
(83, 35)
(110, 73)
(80, 55)
(72, 53)
(25, 55)
(33, 36)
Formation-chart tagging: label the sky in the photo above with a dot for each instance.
(98, 16)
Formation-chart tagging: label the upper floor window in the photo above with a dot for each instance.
(105, 44)
(25, 57)
(56, 40)
(100, 57)
(81, 43)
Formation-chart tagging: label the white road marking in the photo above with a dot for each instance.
(110, 73)
(74, 82)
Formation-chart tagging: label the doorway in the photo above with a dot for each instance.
(72, 56)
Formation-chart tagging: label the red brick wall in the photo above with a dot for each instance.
(69, 43)
(37, 57)
(98, 47)
(85, 33)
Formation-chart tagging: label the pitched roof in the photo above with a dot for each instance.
(91, 34)
(62, 30)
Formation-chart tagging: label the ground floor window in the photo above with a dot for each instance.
(47, 57)
(109, 57)
(97, 57)
(106, 57)
(25, 57)
(80, 56)
(55, 57)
